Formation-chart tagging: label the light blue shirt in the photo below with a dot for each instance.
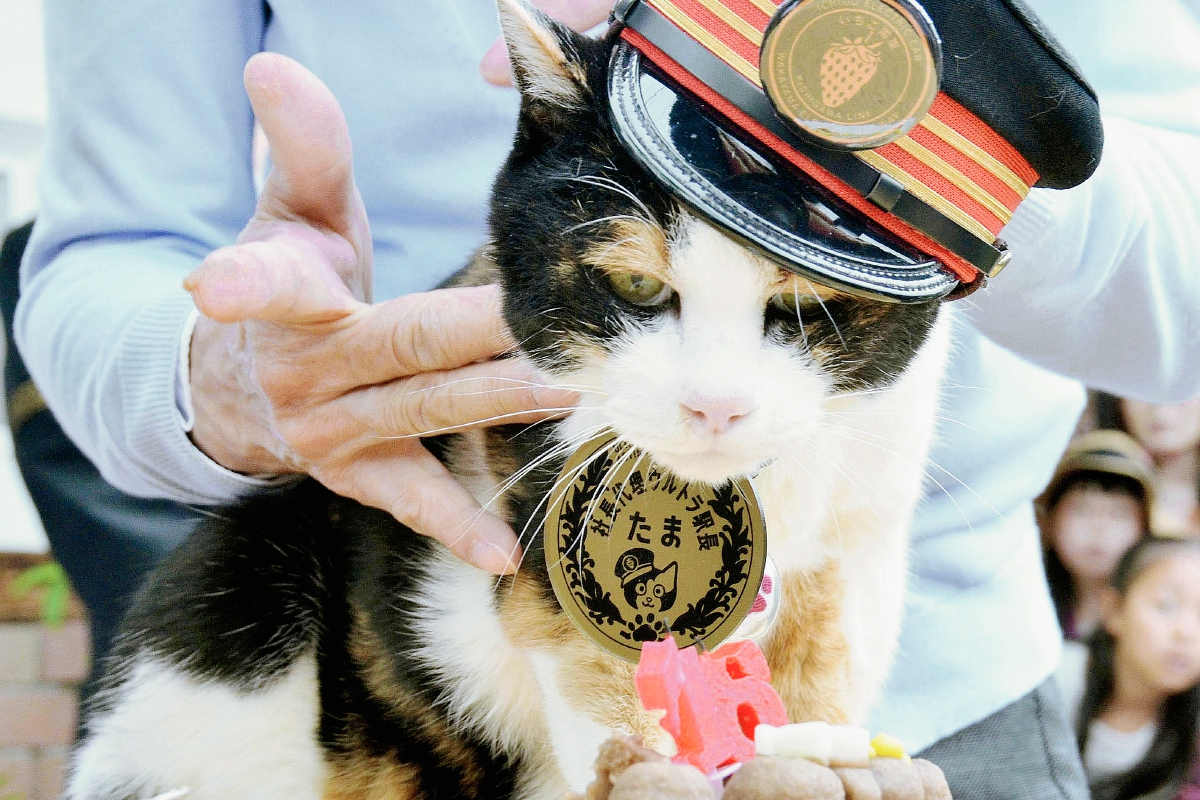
(148, 169)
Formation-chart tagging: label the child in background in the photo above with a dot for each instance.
(1096, 507)
(1171, 434)
(1135, 688)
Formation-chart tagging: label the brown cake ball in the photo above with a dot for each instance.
(617, 755)
(859, 782)
(768, 778)
(897, 779)
(932, 779)
(661, 780)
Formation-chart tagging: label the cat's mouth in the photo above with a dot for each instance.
(713, 464)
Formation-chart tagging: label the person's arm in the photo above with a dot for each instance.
(1105, 280)
(146, 170)
(149, 175)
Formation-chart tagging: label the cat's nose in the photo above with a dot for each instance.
(715, 414)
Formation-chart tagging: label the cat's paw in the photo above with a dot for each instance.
(646, 629)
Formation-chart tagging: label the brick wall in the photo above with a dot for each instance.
(40, 672)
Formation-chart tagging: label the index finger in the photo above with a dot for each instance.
(431, 331)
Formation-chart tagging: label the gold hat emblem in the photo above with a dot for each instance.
(853, 74)
(636, 554)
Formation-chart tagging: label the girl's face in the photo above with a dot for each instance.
(1092, 529)
(1157, 625)
(1163, 430)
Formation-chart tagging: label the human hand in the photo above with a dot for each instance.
(292, 371)
(578, 14)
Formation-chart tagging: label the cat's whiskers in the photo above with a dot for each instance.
(483, 422)
(518, 385)
(599, 491)
(799, 320)
(505, 486)
(833, 462)
(898, 413)
(604, 182)
(920, 465)
(616, 468)
(549, 454)
(587, 517)
(206, 512)
(931, 463)
(886, 389)
(565, 482)
(600, 220)
(825, 308)
(837, 523)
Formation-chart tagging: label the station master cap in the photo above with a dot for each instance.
(876, 146)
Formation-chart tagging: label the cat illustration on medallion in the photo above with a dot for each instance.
(647, 589)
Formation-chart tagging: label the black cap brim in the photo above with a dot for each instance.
(750, 194)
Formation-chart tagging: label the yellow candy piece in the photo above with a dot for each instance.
(885, 746)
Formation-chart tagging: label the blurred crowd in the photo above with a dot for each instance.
(1120, 525)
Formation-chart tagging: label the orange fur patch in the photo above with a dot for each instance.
(807, 651)
(635, 245)
(788, 282)
(592, 681)
(357, 773)
(365, 777)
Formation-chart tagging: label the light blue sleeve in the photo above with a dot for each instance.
(147, 169)
(1104, 285)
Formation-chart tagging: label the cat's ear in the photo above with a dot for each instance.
(543, 55)
(669, 575)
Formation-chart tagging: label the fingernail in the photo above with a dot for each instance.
(552, 397)
(488, 556)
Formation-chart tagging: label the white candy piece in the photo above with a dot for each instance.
(849, 746)
(809, 740)
(828, 745)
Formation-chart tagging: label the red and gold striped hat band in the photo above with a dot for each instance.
(847, 92)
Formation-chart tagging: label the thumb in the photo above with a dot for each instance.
(286, 279)
(311, 159)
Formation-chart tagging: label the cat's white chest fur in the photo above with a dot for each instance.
(842, 475)
(852, 502)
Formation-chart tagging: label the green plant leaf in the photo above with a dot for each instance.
(52, 580)
(4, 779)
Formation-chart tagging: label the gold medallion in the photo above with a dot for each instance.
(851, 74)
(635, 553)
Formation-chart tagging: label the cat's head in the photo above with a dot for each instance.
(647, 588)
(688, 344)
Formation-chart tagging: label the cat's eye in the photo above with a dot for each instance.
(796, 304)
(641, 588)
(659, 591)
(639, 289)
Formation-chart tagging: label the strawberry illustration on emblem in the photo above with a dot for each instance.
(846, 68)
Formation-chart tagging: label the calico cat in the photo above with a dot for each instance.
(304, 646)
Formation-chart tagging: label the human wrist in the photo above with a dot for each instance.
(230, 416)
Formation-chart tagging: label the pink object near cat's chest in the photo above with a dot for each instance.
(713, 701)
